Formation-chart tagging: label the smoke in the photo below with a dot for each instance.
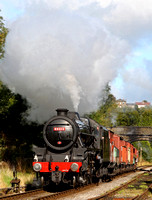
(62, 53)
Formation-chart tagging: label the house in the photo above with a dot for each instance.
(121, 103)
(142, 104)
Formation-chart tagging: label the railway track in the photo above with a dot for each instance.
(25, 195)
(139, 188)
(41, 194)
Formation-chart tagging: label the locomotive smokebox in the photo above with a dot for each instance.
(62, 111)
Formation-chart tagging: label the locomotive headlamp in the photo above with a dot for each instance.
(74, 167)
(37, 167)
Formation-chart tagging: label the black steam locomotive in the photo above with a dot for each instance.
(77, 151)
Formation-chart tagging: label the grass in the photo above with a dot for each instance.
(144, 163)
(6, 175)
(143, 186)
(146, 174)
(130, 186)
(132, 192)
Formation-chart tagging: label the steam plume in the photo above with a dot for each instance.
(62, 53)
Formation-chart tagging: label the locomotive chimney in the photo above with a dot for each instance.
(62, 111)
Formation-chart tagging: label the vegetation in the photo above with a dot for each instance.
(146, 147)
(17, 134)
(6, 176)
(134, 117)
(109, 114)
(105, 115)
(3, 34)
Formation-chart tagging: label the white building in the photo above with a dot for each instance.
(122, 103)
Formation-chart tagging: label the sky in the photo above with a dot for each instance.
(61, 53)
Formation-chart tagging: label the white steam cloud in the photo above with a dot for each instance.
(62, 53)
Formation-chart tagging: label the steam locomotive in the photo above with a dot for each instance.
(79, 151)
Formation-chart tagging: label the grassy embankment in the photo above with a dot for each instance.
(6, 175)
(143, 163)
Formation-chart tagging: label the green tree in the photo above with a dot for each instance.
(3, 34)
(17, 134)
(127, 117)
(145, 117)
(105, 115)
(146, 149)
(134, 117)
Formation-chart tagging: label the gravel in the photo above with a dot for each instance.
(101, 188)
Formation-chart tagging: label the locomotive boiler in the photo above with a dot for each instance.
(79, 151)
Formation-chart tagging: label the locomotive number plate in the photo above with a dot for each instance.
(59, 129)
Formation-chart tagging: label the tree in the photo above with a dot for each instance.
(17, 134)
(146, 149)
(134, 117)
(145, 117)
(127, 117)
(3, 34)
(105, 115)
